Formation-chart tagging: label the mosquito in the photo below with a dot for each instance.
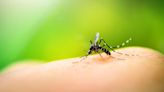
(97, 47)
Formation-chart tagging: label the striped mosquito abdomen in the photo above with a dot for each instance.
(105, 50)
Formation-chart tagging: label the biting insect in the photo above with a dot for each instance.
(97, 47)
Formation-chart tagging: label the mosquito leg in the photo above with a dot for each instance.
(110, 47)
(108, 53)
(100, 54)
(123, 44)
(90, 41)
(105, 44)
(83, 57)
(88, 53)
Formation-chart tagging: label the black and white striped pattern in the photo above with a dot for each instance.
(119, 46)
(123, 44)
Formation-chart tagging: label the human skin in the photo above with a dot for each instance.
(142, 71)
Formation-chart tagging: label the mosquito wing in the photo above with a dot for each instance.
(96, 38)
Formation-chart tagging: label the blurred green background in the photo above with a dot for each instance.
(48, 30)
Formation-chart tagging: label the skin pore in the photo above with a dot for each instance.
(143, 72)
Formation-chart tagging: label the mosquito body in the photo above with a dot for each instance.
(97, 47)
